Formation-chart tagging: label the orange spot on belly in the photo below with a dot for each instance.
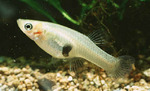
(39, 32)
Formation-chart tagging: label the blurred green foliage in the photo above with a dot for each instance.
(56, 4)
(144, 0)
(39, 8)
(86, 6)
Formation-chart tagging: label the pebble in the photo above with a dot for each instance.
(20, 87)
(17, 78)
(142, 82)
(97, 81)
(27, 81)
(29, 90)
(16, 71)
(90, 76)
(102, 81)
(22, 80)
(58, 75)
(91, 82)
(25, 70)
(147, 72)
(4, 69)
(70, 78)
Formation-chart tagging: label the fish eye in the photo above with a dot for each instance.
(28, 26)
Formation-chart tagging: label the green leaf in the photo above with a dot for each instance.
(38, 7)
(57, 5)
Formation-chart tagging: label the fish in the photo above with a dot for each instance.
(62, 42)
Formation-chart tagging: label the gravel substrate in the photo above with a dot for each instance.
(26, 79)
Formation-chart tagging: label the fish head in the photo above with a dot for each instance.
(33, 29)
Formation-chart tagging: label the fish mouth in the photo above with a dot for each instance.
(20, 23)
(18, 20)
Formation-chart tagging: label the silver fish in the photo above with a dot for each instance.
(62, 42)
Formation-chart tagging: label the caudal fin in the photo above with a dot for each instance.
(123, 67)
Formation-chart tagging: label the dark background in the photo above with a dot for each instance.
(131, 34)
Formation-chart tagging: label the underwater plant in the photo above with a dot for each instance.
(56, 4)
(86, 6)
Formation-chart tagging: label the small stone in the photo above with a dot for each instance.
(36, 85)
(137, 84)
(58, 75)
(118, 89)
(23, 85)
(24, 89)
(75, 80)
(75, 89)
(29, 85)
(91, 82)
(90, 76)
(7, 73)
(10, 83)
(70, 78)
(4, 69)
(4, 87)
(25, 70)
(104, 75)
(116, 85)
(16, 82)
(20, 87)
(36, 90)
(97, 81)
(11, 89)
(28, 75)
(3, 78)
(72, 73)
(102, 81)
(58, 89)
(27, 81)
(29, 90)
(33, 88)
(127, 87)
(27, 67)
(19, 75)
(16, 71)
(142, 82)
(31, 79)
(147, 72)
(10, 78)
(22, 79)
(136, 88)
(63, 73)
(86, 82)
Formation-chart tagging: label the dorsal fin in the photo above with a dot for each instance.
(98, 37)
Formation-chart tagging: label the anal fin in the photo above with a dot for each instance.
(75, 63)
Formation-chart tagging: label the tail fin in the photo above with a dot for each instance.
(123, 67)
